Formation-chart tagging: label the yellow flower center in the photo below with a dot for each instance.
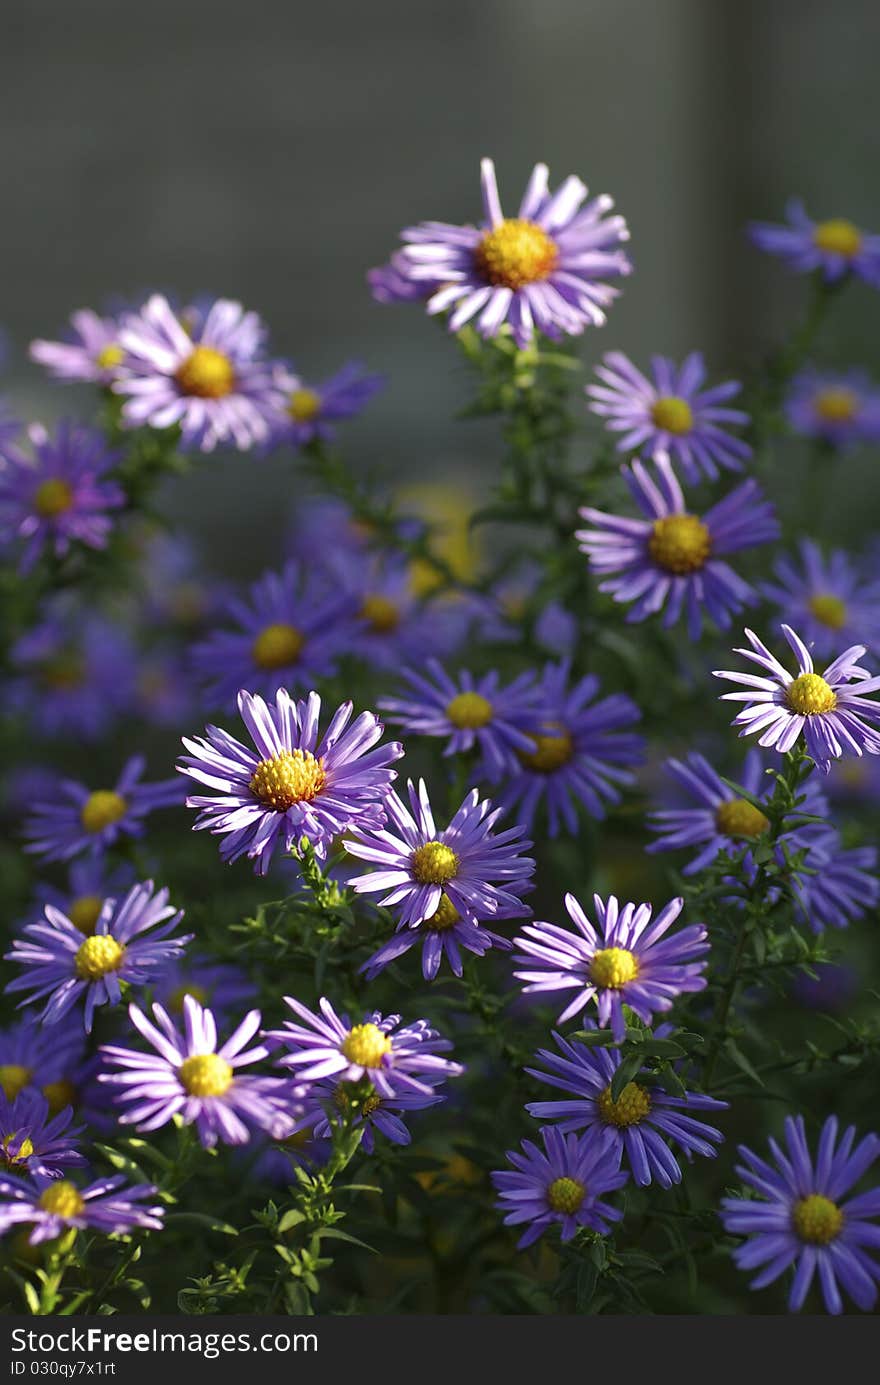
(553, 749)
(631, 1106)
(294, 776)
(469, 711)
(205, 1074)
(97, 956)
(565, 1194)
(52, 497)
(276, 646)
(17, 1156)
(672, 414)
(516, 253)
(810, 694)
(176, 999)
(304, 405)
(380, 613)
(838, 237)
(738, 818)
(613, 967)
(680, 543)
(84, 912)
(365, 1045)
(61, 1199)
(206, 374)
(830, 610)
(101, 809)
(14, 1078)
(836, 405)
(434, 863)
(447, 916)
(109, 356)
(59, 1094)
(817, 1220)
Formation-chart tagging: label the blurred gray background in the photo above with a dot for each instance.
(270, 151)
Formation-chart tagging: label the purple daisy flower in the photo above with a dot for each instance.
(190, 1076)
(543, 270)
(673, 559)
(90, 881)
(445, 934)
(840, 408)
(219, 986)
(92, 353)
(109, 1206)
(60, 495)
(671, 415)
(81, 819)
(374, 1112)
(36, 1059)
(213, 383)
(578, 753)
(291, 631)
(563, 1183)
(828, 708)
(640, 1121)
(828, 599)
(74, 673)
(64, 967)
(396, 1061)
(842, 885)
(392, 625)
(832, 248)
(164, 694)
(625, 960)
(312, 411)
(469, 713)
(33, 1143)
(430, 875)
(801, 1216)
(297, 783)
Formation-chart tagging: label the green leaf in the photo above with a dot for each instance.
(333, 1233)
(737, 1056)
(625, 1073)
(201, 1219)
(291, 1219)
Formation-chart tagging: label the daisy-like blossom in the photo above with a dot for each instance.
(395, 1060)
(543, 270)
(220, 986)
(640, 1121)
(212, 381)
(290, 631)
(834, 249)
(393, 625)
(376, 1114)
(295, 783)
(78, 819)
(36, 1059)
(109, 1205)
(671, 414)
(33, 1143)
(72, 673)
(565, 1183)
(429, 875)
(840, 883)
(829, 600)
(469, 713)
(831, 710)
(445, 934)
(90, 881)
(672, 560)
(840, 408)
(92, 352)
(59, 494)
(313, 411)
(580, 753)
(800, 1216)
(623, 960)
(131, 942)
(193, 1076)
(164, 692)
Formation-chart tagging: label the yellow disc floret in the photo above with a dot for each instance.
(469, 711)
(11, 1154)
(179, 994)
(277, 645)
(565, 1195)
(101, 809)
(817, 1220)
(110, 355)
(294, 776)
(680, 543)
(810, 695)
(631, 1106)
(553, 749)
(829, 610)
(59, 1094)
(84, 912)
(365, 1045)
(14, 1077)
(206, 374)
(516, 253)
(304, 405)
(205, 1074)
(52, 497)
(381, 613)
(736, 817)
(61, 1199)
(836, 405)
(433, 863)
(98, 956)
(446, 916)
(672, 414)
(613, 967)
(838, 237)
